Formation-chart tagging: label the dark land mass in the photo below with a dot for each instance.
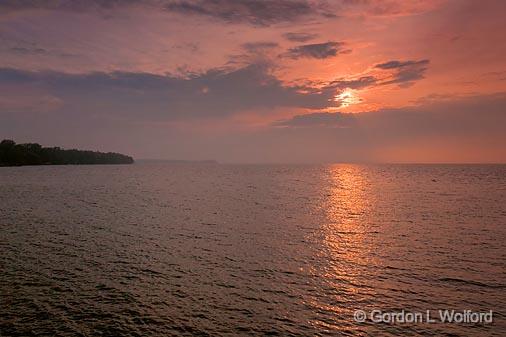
(12, 154)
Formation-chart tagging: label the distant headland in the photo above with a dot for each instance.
(12, 154)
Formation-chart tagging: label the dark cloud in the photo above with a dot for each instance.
(317, 50)
(401, 64)
(318, 119)
(143, 96)
(36, 51)
(359, 83)
(261, 46)
(384, 7)
(404, 73)
(28, 51)
(254, 53)
(453, 130)
(439, 114)
(258, 12)
(72, 5)
(299, 37)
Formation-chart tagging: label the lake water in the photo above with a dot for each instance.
(207, 249)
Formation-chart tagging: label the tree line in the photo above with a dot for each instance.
(12, 154)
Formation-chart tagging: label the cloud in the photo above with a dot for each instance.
(404, 73)
(70, 5)
(401, 64)
(318, 119)
(28, 103)
(317, 50)
(358, 83)
(300, 37)
(144, 96)
(254, 53)
(261, 46)
(257, 12)
(441, 114)
(27, 51)
(462, 129)
(385, 8)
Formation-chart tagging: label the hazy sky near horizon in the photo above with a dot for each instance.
(258, 80)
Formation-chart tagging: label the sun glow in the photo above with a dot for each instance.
(347, 97)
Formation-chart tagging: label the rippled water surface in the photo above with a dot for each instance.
(203, 249)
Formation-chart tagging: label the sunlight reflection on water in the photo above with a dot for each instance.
(171, 249)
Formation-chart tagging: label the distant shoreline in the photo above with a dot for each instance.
(33, 154)
(176, 161)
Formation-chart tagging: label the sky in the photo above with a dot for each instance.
(258, 81)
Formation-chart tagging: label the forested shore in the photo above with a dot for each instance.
(12, 154)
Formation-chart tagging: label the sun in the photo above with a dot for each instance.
(347, 97)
